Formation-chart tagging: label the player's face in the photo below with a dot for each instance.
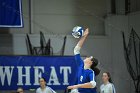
(20, 90)
(87, 60)
(42, 82)
(105, 77)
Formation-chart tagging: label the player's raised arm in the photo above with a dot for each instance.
(81, 41)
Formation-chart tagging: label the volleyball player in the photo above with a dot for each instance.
(107, 86)
(86, 69)
(43, 88)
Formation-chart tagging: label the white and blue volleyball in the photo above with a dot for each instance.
(77, 31)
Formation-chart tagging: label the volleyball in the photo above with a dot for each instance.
(77, 31)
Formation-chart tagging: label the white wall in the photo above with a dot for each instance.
(59, 17)
(6, 44)
(134, 21)
(114, 26)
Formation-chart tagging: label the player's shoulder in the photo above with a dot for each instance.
(90, 70)
(38, 89)
(101, 86)
(110, 85)
(47, 87)
(50, 89)
(77, 55)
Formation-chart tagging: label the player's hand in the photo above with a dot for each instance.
(72, 87)
(86, 32)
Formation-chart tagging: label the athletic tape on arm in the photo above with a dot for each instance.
(77, 50)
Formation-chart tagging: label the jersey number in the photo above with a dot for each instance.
(81, 78)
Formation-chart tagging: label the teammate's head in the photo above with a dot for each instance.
(106, 77)
(20, 90)
(42, 82)
(92, 62)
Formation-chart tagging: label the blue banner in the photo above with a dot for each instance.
(25, 71)
(11, 13)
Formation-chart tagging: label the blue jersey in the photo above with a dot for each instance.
(84, 75)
